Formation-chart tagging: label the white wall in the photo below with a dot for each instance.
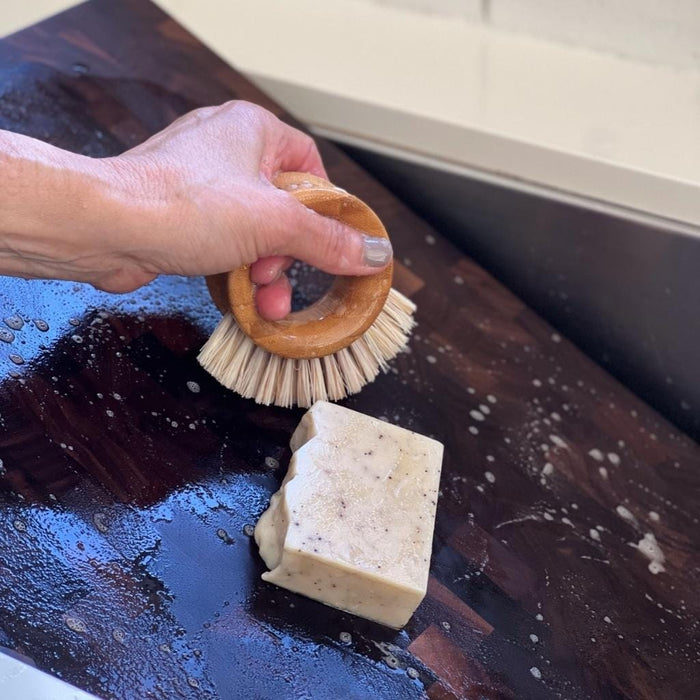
(16, 15)
(659, 31)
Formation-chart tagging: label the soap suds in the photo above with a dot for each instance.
(649, 547)
(625, 514)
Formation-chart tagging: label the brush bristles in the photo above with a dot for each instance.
(234, 360)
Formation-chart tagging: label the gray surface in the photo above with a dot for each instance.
(628, 294)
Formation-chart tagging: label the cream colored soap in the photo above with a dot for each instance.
(352, 524)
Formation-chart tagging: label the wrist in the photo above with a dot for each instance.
(68, 216)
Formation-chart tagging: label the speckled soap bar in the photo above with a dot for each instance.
(352, 524)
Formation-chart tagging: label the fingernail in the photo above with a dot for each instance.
(377, 251)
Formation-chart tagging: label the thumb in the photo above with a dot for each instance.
(332, 246)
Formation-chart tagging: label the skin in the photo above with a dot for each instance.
(195, 199)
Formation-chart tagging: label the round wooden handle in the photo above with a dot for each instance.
(339, 317)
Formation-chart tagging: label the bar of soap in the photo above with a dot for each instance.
(352, 524)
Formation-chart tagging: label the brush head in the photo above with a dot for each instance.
(327, 351)
(235, 361)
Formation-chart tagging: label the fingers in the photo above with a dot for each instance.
(334, 247)
(274, 300)
(267, 270)
(296, 151)
(274, 293)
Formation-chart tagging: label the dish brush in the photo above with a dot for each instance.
(324, 352)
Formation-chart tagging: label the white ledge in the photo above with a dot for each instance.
(574, 120)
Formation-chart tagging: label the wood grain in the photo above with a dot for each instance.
(344, 312)
(128, 475)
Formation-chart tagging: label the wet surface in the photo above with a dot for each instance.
(565, 560)
(129, 477)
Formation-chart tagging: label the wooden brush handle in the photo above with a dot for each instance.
(339, 317)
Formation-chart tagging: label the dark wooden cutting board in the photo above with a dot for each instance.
(129, 478)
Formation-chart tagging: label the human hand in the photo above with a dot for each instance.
(210, 206)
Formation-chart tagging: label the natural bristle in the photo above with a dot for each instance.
(234, 360)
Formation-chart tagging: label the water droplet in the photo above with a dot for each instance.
(224, 536)
(14, 322)
(411, 672)
(118, 634)
(17, 359)
(6, 336)
(81, 68)
(271, 463)
(77, 338)
(41, 325)
(20, 525)
(345, 637)
(74, 321)
(391, 661)
(194, 387)
(248, 530)
(100, 522)
(75, 624)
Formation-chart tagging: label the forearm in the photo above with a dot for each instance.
(63, 215)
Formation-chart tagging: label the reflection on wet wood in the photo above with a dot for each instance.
(566, 549)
